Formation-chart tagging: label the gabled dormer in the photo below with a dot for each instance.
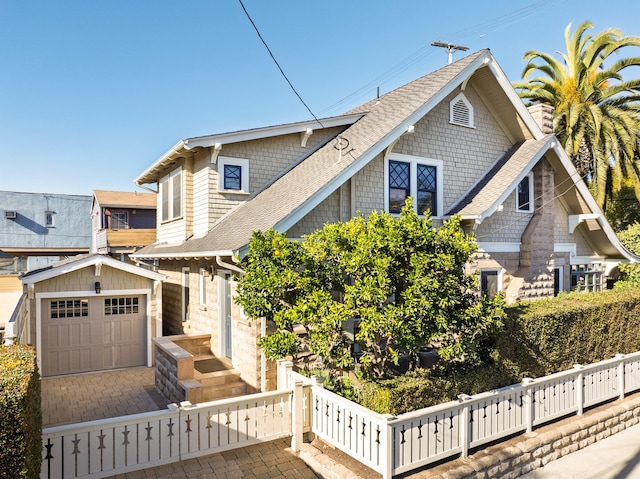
(201, 179)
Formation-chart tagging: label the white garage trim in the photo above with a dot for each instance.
(89, 294)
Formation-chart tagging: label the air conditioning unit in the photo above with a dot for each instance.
(10, 215)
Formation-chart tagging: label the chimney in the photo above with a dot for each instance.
(543, 115)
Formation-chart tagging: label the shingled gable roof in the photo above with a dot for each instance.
(75, 263)
(492, 189)
(298, 191)
(125, 199)
(503, 177)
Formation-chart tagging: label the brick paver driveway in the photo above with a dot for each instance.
(87, 397)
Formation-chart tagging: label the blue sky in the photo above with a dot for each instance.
(92, 92)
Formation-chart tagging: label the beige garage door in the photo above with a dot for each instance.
(92, 334)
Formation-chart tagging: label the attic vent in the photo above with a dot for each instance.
(10, 215)
(461, 111)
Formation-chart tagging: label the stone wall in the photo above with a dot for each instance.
(536, 252)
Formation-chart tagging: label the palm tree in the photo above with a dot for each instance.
(597, 113)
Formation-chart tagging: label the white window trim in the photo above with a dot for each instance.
(414, 161)
(167, 182)
(244, 179)
(490, 270)
(532, 194)
(464, 99)
(49, 214)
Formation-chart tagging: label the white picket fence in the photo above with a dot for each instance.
(395, 445)
(114, 446)
(389, 445)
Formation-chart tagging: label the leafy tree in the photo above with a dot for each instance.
(404, 279)
(630, 238)
(623, 209)
(596, 112)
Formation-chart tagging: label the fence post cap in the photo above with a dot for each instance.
(528, 380)
(620, 356)
(464, 397)
(186, 404)
(578, 366)
(172, 407)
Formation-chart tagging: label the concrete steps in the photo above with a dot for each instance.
(218, 378)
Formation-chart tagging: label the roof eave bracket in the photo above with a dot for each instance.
(215, 151)
(305, 136)
(575, 220)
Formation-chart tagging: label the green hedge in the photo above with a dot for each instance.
(547, 336)
(20, 413)
(539, 338)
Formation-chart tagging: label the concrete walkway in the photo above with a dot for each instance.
(615, 457)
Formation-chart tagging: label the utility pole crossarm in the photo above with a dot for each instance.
(450, 48)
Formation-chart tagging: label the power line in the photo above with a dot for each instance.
(555, 197)
(490, 25)
(277, 64)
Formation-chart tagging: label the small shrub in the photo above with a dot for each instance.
(423, 388)
(20, 413)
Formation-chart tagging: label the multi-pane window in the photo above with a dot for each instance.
(427, 188)
(417, 178)
(399, 185)
(524, 194)
(586, 277)
(490, 283)
(233, 175)
(119, 220)
(69, 308)
(171, 195)
(123, 305)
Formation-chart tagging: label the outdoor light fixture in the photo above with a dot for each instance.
(97, 286)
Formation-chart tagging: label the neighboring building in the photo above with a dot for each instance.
(88, 313)
(122, 222)
(38, 229)
(458, 140)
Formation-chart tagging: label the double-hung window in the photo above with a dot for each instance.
(233, 175)
(417, 177)
(171, 195)
(524, 194)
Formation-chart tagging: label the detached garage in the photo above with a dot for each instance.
(91, 313)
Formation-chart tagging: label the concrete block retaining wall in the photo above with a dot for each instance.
(174, 358)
